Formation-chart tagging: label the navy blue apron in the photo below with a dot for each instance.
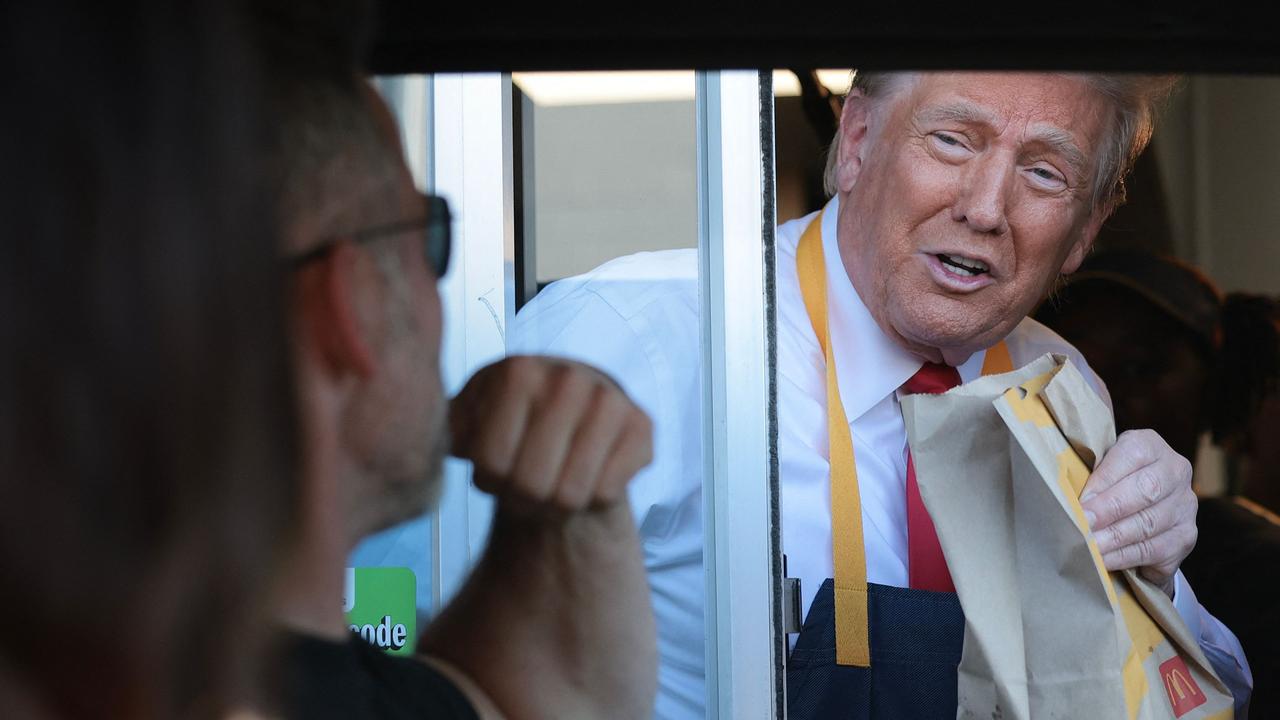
(916, 639)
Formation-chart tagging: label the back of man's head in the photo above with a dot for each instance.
(329, 158)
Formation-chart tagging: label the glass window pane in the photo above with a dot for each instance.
(610, 210)
(609, 167)
(596, 189)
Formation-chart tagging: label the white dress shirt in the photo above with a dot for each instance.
(636, 318)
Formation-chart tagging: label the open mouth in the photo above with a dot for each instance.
(962, 266)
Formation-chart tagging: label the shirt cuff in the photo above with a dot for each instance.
(1220, 646)
(1184, 601)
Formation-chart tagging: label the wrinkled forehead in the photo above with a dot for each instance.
(1052, 104)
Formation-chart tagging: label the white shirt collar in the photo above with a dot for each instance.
(869, 364)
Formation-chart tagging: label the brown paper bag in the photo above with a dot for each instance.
(1049, 633)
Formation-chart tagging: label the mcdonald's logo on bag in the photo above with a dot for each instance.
(1184, 694)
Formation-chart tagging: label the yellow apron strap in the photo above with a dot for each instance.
(997, 360)
(853, 641)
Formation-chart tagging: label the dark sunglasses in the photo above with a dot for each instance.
(437, 238)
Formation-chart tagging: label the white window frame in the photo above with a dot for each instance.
(469, 131)
(742, 551)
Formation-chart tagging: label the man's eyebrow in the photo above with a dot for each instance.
(1055, 139)
(961, 112)
(1061, 142)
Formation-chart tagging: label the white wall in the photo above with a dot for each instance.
(1219, 150)
(610, 180)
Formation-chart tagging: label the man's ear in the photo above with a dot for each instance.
(334, 329)
(853, 134)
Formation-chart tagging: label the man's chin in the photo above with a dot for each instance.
(949, 343)
(409, 501)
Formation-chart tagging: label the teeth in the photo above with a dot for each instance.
(964, 266)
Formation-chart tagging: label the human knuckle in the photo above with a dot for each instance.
(1145, 550)
(568, 498)
(638, 459)
(1150, 486)
(1142, 444)
(641, 423)
(573, 381)
(520, 371)
(488, 455)
(612, 491)
(608, 401)
(1148, 522)
(1113, 507)
(646, 453)
(1185, 534)
(1184, 469)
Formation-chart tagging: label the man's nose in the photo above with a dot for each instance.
(983, 200)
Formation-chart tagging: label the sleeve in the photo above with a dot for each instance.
(1219, 644)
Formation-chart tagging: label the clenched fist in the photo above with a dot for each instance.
(549, 434)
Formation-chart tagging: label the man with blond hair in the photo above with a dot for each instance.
(957, 201)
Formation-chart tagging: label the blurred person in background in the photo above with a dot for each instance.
(1183, 360)
(554, 621)
(147, 434)
(1254, 451)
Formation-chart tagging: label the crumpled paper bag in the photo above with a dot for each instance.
(1049, 633)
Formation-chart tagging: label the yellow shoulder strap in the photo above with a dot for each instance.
(997, 360)
(853, 643)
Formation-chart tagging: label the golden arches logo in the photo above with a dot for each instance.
(1179, 686)
(1184, 694)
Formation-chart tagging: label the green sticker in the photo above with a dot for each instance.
(380, 603)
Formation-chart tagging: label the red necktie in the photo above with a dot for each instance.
(926, 568)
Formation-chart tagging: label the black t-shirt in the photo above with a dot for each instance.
(354, 680)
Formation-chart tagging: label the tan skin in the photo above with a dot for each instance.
(995, 171)
(555, 620)
(988, 188)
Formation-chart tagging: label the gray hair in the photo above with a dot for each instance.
(1136, 101)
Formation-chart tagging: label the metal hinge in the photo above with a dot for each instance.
(791, 605)
(791, 620)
